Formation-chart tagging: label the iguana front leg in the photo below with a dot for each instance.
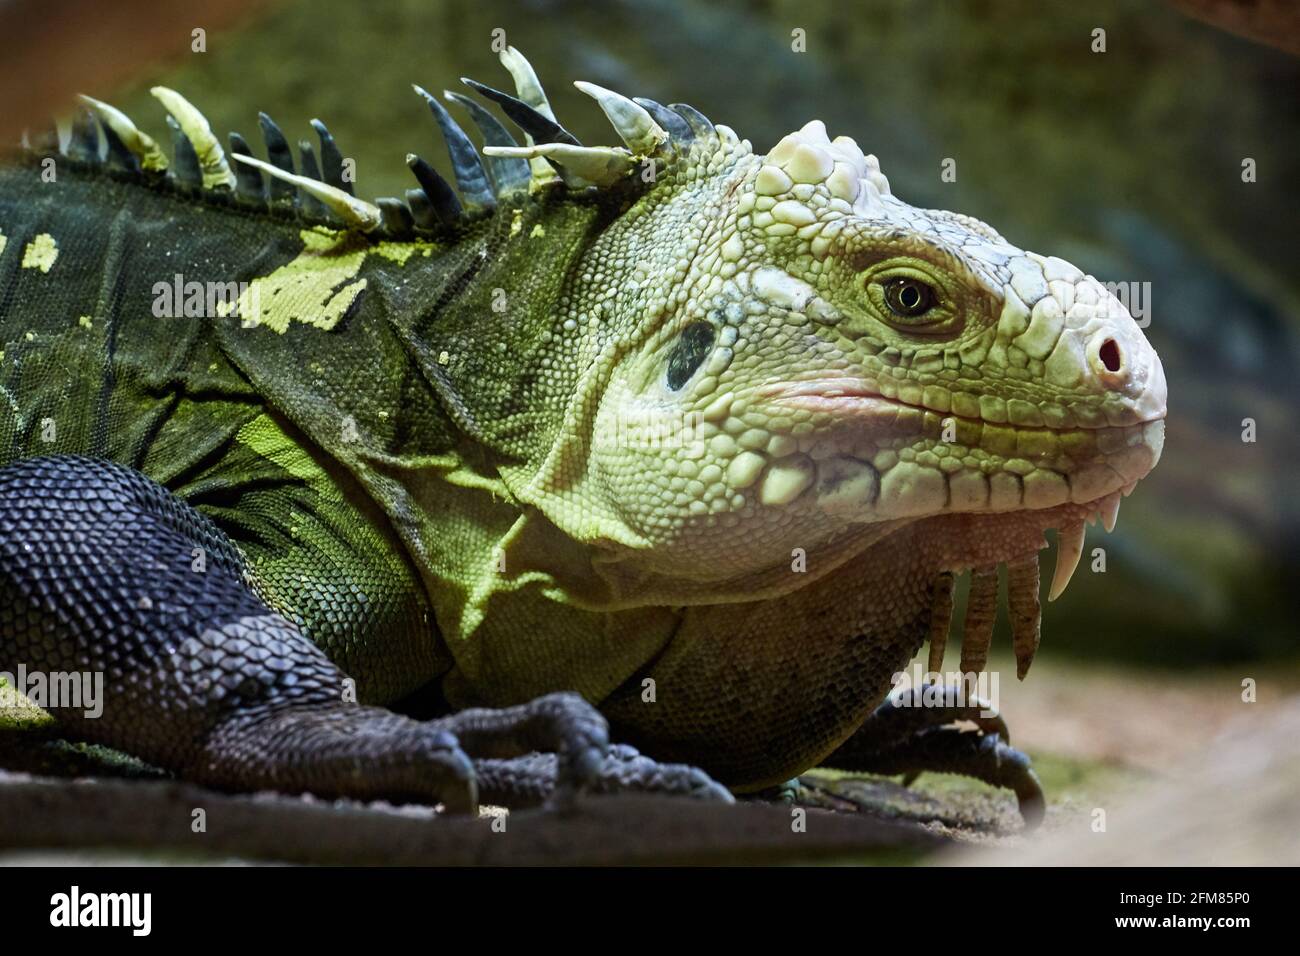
(204, 678)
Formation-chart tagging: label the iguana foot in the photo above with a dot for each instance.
(337, 750)
(534, 779)
(912, 733)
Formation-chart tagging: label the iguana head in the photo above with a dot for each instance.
(783, 355)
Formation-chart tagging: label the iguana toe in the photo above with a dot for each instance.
(563, 725)
(531, 780)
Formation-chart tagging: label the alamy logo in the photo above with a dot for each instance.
(1135, 297)
(179, 299)
(931, 689)
(134, 910)
(68, 690)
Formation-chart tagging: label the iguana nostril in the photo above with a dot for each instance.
(1110, 355)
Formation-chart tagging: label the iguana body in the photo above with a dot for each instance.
(699, 435)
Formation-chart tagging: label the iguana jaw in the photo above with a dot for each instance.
(1050, 466)
(1097, 466)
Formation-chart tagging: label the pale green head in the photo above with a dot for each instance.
(784, 355)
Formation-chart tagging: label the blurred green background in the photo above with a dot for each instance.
(1127, 162)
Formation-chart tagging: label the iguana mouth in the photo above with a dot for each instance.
(1040, 467)
(853, 396)
(980, 540)
(842, 396)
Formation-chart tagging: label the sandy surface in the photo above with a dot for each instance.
(1146, 720)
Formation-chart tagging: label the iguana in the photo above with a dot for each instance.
(431, 498)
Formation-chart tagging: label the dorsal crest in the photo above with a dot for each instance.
(316, 189)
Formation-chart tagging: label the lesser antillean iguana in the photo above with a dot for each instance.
(669, 443)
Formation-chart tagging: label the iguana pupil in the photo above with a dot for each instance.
(689, 353)
(908, 297)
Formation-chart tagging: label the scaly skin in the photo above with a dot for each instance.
(703, 446)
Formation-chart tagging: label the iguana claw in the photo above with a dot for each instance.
(907, 736)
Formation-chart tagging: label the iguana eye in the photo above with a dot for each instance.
(908, 298)
(689, 353)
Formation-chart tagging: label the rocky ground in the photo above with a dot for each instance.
(1176, 769)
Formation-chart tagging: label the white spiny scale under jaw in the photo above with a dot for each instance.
(1110, 512)
(212, 160)
(1069, 548)
(355, 213)
(634, 125)
(940, 620)
(981, 615)
(1024, 610)
(142, 146)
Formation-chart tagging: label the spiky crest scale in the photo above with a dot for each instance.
(320, 192)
